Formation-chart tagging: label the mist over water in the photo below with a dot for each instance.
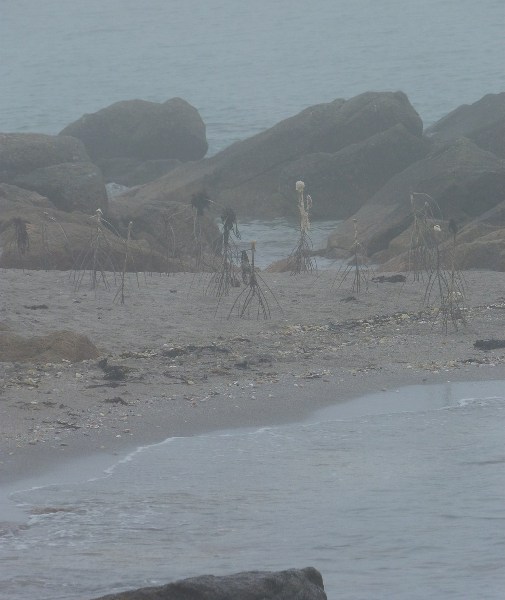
(244, 65)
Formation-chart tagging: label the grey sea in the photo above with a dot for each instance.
(397, 495)
(393, 495)
(244, 65)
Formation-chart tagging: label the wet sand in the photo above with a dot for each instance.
(186, 368)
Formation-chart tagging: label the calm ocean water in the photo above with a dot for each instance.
(244, 65)
(393, 495)
(278, 237)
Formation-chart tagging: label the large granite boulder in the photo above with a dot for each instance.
(342, 182)
(142, 130)
(22, 153)
(36, 235)
(485, 252)
(54, 166)
(462, 179)
(294, 584)
(131, 172)
(70, 186)
(250, 172)
(481, 241)
(247, 176)
(479, 244)
(483, 122)
(172, 226)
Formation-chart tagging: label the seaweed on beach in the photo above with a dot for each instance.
(48, 225)
(445, 281)
(200, 202)
(97, 256)
(432, 259)
(252, 300)
(225, 276)
(357, 267)
(21, 235)
(300, 259)
(167, 239)
(18, 237)
(425, 214)
(127, 257)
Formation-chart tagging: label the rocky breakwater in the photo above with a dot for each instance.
(461, 182)
(54, 208)
(136, 141)
(294, 584)
(343, 150)
(49, 189)
(363, 160)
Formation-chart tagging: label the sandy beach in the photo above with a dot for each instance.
(179, 364)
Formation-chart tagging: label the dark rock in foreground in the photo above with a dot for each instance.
(142, 130)
(489, 344)
(294, 584)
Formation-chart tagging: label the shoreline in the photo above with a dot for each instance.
(81, 462)
(226, 373)
(28, 465)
